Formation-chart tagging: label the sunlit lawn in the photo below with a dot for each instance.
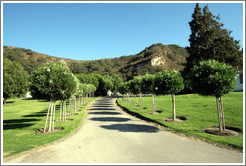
(201, 112)
(23, 117)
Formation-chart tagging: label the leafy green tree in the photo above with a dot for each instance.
(15, 79)
(116, 80)
(135, 87)
(148, 87)
(209, 40)
(211, 78)
(91, 78)
(53, 81)
(169, 82)
(123, 89)
(91, 89)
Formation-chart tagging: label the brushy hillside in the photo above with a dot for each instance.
(151, 60)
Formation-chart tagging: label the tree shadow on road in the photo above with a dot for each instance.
(105, 113)
(95, 109)
(110, 119)
(100, 106)
(103, 104)
(131, 128)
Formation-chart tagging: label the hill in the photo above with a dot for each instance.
(151, 59)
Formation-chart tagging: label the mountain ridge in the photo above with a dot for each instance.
(150, 60)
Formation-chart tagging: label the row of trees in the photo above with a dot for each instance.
(208, 78)
(102, 83)
(55, 81)
(164, 82)
(16, 81)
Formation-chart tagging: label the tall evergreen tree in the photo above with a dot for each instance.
(209, 40)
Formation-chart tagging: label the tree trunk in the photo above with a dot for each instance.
(153, 103)
(140, 101)
(53, 125)
(220, 114)
(51, 113)
(60, 110)
(4, 101)
(174, 111)
(75, 105)
(69, 107)
(47, 117)
(65, 109)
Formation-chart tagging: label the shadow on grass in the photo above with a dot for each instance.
(16, 126)
(131, 128)
(28, 99)
(17, 123)
(9, 102)
(37, 114)
(110, 119)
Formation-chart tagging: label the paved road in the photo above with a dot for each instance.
(111, 136)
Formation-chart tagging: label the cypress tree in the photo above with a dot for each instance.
(209, 40)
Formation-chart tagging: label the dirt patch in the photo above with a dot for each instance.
(229, 131)
(41, 131)
(178, 119)
(156, 112)
(6, 153)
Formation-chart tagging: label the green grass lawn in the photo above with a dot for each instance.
(201, 112)
(23, 117)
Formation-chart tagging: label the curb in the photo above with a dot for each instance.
(165, 128)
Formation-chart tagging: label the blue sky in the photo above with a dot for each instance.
(106, 30)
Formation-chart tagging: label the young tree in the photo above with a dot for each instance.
(91, 89)
(148, 87)
(53, 81)
(169, 82)
(15, 79)
(116, 80)
(89, 79)
(123, 89)
(135, 87)
(211, 78)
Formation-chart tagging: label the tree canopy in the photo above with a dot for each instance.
(15, 79)
(168, 82)
(209, 40)
(148, 83)
(135, 85)
(54, 80)
(211, 78)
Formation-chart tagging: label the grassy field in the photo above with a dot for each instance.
(201, 112)
(23, 117)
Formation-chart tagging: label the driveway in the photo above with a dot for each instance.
(109, 135)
